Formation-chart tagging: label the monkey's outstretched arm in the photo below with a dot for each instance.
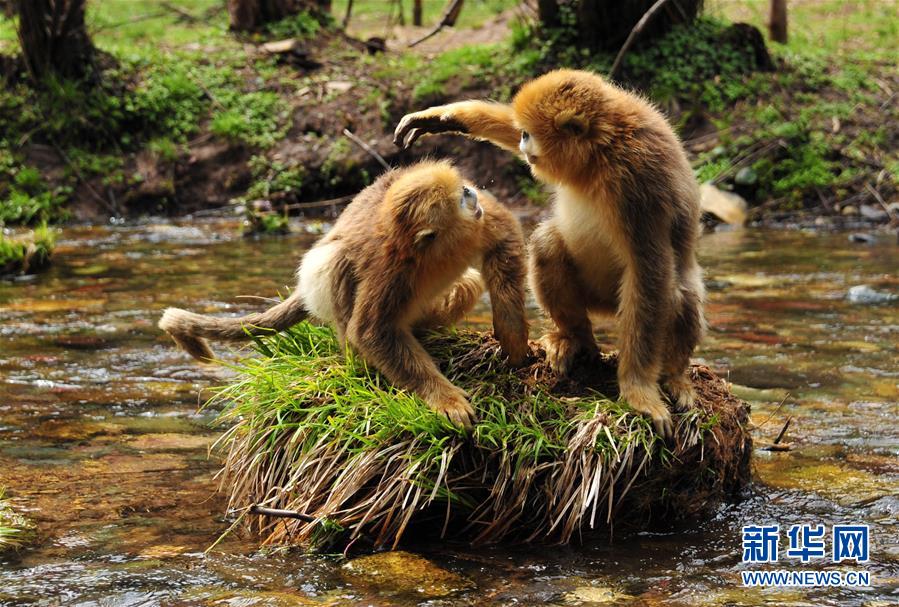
(493, 122)
(504, 271)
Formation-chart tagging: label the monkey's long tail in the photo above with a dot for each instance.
(189, 330)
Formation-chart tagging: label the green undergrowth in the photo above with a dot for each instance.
(323, 434)
(28, 252)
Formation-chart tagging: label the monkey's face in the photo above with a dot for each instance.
(435, 208)
(558, 115)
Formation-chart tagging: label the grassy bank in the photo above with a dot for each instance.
(325, 437)
(191, 115)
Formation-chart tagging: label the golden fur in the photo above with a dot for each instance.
(623, 236)
(401, 256)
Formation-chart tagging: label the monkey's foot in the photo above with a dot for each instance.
(515, 348)
(561, 350)
(680, 389)
(454, 406)
(646, 399)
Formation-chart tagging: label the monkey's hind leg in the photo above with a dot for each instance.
(685, 332)
(451, 307)
(555, 283)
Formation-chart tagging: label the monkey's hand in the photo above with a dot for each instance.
(646, 399)
(561, 350)
(438, 119)
(451, 402)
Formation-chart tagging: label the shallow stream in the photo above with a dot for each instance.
(103, 444)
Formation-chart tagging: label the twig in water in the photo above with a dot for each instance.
(299, 206)
(633, 36)
(783, 430)
(773, 413)
(371, 151)
(281, 513)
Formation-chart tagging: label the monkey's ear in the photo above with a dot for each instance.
(426, 236)
(572, 123)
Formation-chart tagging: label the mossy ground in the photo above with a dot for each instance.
(318, 433)
(191, 115)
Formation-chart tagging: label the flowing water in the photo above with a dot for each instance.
(104, 446)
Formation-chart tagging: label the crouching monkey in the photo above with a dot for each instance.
(401, 256)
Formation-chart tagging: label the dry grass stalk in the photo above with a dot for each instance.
(318, 434)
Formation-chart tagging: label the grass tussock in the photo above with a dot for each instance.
(29, 252)
(320, 434)
(15, 530)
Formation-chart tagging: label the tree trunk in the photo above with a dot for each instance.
(416, 12)
(777, 25)
(54, 39)
(605, 24)
(248, 15)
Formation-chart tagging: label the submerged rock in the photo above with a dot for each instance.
(405, 573)
(595, 595)
(863, 294)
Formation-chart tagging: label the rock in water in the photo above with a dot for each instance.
(405, 573)
(863, 294)
(727, 206)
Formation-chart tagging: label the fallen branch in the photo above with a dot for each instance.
(633, 36)
(450, 15)
(783, 430)
(371, 151)
(281, 513)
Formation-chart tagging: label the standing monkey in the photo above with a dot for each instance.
(400, 257)
(623, 236)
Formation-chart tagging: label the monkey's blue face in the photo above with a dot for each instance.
(529, 148)
(469, 202)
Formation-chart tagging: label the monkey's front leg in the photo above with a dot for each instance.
(395, 352)
(504, 272)
(643, 316)
(493, 122)
(555, 282)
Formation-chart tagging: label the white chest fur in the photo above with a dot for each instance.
(588, 229)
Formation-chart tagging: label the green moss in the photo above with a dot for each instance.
(271, 177)
(464, 65)
(257, 118)
(29, 252)
(25, 197)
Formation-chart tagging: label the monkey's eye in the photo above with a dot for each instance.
(469, 198)
(525, 135)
